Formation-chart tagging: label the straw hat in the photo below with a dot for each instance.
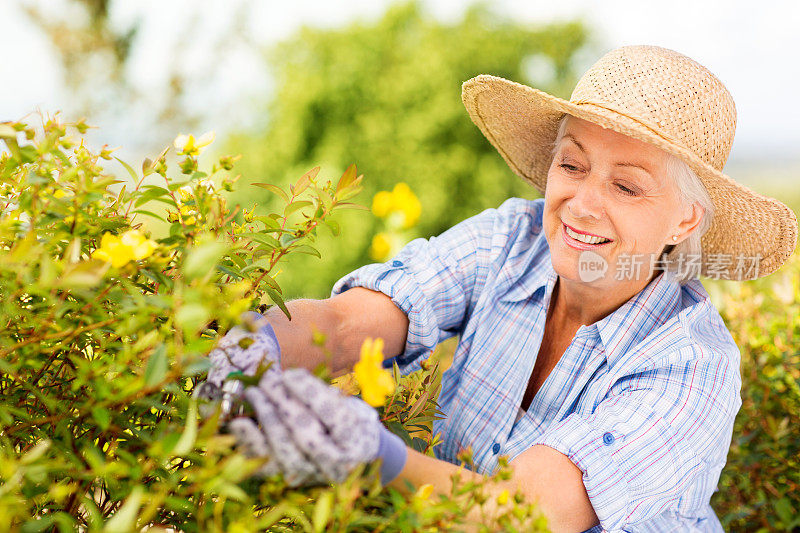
(658, 96)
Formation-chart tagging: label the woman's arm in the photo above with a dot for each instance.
(544, 475)
(346, 320)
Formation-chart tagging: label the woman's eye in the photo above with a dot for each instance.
(626, 190)
(568, 167)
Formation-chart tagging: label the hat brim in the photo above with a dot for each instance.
(521, 122)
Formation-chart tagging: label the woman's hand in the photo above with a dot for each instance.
(244, 348)
(311, 432)
(242, 351)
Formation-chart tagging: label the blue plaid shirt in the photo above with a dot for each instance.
(642, 401)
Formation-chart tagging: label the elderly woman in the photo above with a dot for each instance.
(588, 353)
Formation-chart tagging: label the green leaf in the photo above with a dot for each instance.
(784, 510)
(273, 188)
(148, 213)
(38, 524)
(303, 183)
(278, 299)
(307, 249)
(156, 193)
(269, 280)
(294, 206)
(128, 168)
(156, 367)
(232, 492)
(102, 417)
(186, 442)
(272, 515)
(348, 193)
(35, 453)
(203, 258)
(397, 428)
(175, 185)
(270, 223)
(164, 200)
(350, 205)
(322, 511)
(262, 263)
(28, 154)
(178, 504)
(335, 228)
(347, 178)
(192, 316)
(418, 444)
(263, 238)
(105, 182)
(7, 132)
(124, 520)
(200, 366)
(156, 190)
(147, 166)
(84, 274)
(234, 273)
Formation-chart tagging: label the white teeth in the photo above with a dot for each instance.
(588, 239)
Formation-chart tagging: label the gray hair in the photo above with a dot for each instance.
(692, 191)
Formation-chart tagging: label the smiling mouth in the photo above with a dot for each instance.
(585, 238)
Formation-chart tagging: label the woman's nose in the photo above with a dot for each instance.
(587, 200)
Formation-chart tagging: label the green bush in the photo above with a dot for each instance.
(104, 338)
(105, 333)
(759, 489)
(388, 95)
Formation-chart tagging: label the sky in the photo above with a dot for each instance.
(750, 46)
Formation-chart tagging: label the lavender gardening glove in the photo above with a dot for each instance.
(312, 433)
(241, 351)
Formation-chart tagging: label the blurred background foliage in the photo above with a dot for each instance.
(387, 96)
(759, 489)
(98, 45)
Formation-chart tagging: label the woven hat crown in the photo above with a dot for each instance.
(670, 94)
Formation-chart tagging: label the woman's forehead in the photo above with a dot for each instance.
(627, 151)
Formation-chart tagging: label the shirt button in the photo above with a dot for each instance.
(397, 263)
(608, 439)
(496, 448)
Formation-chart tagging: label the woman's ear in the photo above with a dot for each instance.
(693, 215)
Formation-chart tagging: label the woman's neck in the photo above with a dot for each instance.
(584, 304)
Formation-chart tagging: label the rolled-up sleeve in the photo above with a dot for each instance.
(436, 282)
(642, 449)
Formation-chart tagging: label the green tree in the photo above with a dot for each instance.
(387, 95)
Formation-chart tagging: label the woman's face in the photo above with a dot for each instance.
(609, 194)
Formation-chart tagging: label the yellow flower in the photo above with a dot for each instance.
(382, 203)
(118, 251)
(424, 491)
(140, 246)
(381, 247)
(421, 497)
(401, 201)
(502, 498)
(375, 382)
(185, 195)
(407, 202)
(188, 145)
(113, 251)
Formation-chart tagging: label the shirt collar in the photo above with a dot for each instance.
(623, 328)
(537, 274)
(634, 320)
